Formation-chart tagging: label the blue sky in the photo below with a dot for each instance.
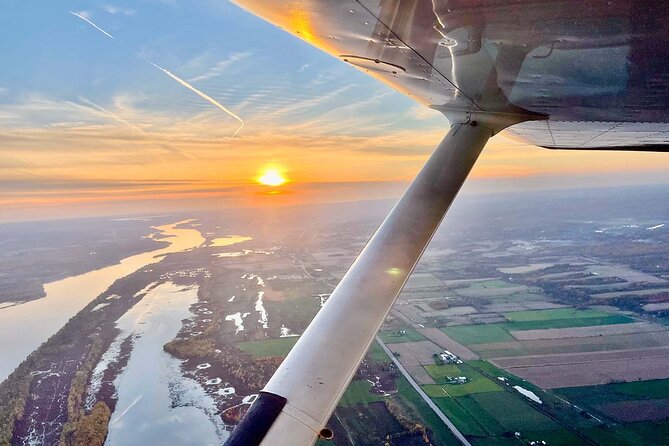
(235, 57)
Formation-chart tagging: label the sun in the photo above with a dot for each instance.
(272, 177)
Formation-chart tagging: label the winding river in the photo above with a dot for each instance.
(25, 327)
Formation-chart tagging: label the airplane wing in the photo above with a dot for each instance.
(561, 74)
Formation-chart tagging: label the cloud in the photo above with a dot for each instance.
(221, 66)
(115, 10)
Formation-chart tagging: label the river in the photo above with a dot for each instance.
(25, 327)
(156, 403)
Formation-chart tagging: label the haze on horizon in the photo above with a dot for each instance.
(88, 127)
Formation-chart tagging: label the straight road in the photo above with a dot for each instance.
(423, 395)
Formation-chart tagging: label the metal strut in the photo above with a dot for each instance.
(313, 377)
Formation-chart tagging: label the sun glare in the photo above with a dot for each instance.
(271, 177)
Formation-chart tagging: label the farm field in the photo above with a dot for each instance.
(557, 313)
(538, 347)
(590, 369)
(359, 392)
(476, 383)
(469, 335)
(394, 336)
(588, 331)
(632, 411)
(269, 347)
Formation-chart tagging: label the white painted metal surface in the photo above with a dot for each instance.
(317, 371)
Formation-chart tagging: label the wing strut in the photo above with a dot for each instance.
(297, 402)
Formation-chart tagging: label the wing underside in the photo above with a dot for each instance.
(594, 71)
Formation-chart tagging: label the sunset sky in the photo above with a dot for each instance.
(89, 126)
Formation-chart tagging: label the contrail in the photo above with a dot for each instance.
(127, 409)
(113, 115)
(202, 95)
(176, 78)
(92, 24)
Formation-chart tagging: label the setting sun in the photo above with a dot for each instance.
(271, 177)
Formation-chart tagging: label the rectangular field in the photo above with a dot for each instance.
(585, 332)
(633, 402)
(557, 313)
(576, 370)
(478, 334)
(444, 341)
(632, 341)
(477, 383)
(412, 354)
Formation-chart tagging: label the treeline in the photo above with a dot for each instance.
(81, 429)
(407, 423)
(14, 392)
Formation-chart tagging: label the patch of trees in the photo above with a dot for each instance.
(89, 430)
(242, 367)
(409, 425)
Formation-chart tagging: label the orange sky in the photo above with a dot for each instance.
(50, 170)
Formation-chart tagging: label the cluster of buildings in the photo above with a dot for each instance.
(447, 357)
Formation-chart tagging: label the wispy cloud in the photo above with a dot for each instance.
(221, 66)
(133, 127)
(115, 10)
(83, 15)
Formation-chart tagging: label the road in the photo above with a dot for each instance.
(423, 395)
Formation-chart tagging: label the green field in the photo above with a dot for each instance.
(493, 414)
(477, 383)
(595, 396)
(358, 392)
(410, 336)
(439, 372)
(631, 434)
(478, 334)
(465, 421)
(512, 412)
(531, 320)
(556, 313)
(658, 388)
(269, 347)
(377, 354)
(567, 323)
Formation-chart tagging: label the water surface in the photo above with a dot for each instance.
(24, 327)
(156, 403)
